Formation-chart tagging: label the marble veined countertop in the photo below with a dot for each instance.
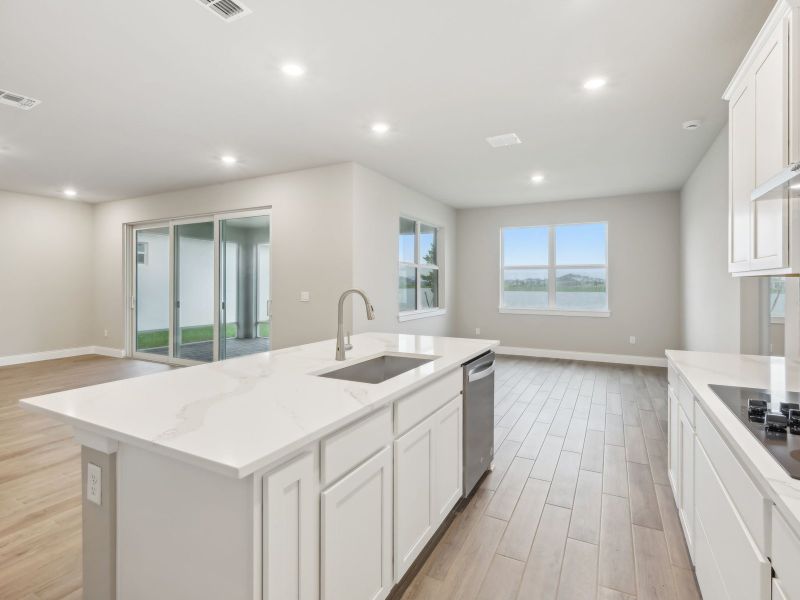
(700, 369)
(239, 415)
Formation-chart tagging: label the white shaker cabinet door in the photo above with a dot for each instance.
(291, 531)
(414, 494)
(686, 495)
(356, 540)
(742, 174)
(770, 222)
(448, 487)
(673, 469)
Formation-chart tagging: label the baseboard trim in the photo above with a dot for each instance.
(622, 359)
(105, 351)
(18, 359)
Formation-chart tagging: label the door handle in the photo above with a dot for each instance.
(480, 373)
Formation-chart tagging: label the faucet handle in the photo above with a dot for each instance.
(348, 345)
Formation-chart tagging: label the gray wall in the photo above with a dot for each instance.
(643, 276)
(719, 312)
(378, 203)
(311, 248)
(46, 274)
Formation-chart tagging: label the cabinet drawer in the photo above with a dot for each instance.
(419, 404)
(752, 506)
(346, 449)
(743, 570)
(785, 556)
(686, 399)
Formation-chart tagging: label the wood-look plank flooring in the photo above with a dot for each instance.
(40, 489)
(578, 506)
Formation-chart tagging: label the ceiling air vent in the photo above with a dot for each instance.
(18, 100)
(507, 139)
(227, 10)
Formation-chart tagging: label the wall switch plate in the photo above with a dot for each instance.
(305, 296)
(94, 483)
(105, 332)
(632, 339)
(477, 331)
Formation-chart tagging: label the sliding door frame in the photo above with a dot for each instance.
(130, 275)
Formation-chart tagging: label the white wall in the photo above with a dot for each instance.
(643, 237)
(378, 203)
(311, 249)
(46, 273)
(719, 312)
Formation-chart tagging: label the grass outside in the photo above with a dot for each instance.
(159, 338)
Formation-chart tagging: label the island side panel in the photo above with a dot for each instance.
(183, 531)
(99, 528)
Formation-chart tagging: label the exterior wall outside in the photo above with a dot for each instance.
(643, 234)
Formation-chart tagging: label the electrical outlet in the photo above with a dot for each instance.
(94, 482)
(632, 339)
(105, 332)
(477, 331)
(305, 296)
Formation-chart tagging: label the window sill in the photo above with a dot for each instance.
(421, 314)
(555, 313)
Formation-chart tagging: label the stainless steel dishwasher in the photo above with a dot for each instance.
(478, 419)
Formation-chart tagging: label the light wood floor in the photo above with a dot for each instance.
(578, 506)
(40, 490)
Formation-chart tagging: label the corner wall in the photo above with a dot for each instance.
(46, 274)
(719, 312)
(643, 234)
(378, 203)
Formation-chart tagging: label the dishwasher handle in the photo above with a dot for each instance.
(480, 372)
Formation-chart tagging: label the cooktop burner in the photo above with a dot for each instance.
(774, 422)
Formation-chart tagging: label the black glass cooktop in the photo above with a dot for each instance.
(781, 438)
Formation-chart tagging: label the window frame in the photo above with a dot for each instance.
(418, 265)
(551, 268)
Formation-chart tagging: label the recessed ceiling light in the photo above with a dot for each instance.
(796, 186)
(293, 70)
(537, 178)
(70, 192)
(595, 83)
(380, 128)
(692, 125)
(228, 159)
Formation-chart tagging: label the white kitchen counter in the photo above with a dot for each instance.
(239, 415)
(700, 369)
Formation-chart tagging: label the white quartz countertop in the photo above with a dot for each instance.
(700, 369)
(239, 415)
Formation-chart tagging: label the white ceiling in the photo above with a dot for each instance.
(141, 97)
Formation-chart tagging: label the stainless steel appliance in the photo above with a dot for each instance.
(478, 419)
(773, 417)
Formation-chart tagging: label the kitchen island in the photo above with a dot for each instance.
(257, 477)
(739, 508)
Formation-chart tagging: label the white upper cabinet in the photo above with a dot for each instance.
(761, 135)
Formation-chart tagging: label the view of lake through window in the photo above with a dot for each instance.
(555, 267)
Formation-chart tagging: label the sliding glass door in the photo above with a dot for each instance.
(151, 291)
(244, 286)
(194, 291)
(201, 288)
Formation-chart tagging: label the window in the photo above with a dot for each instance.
(777, 299)
(561, 269)
(141, 253)
(419, 277)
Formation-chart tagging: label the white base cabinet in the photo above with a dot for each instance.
(290, 555)
(427, 481)
(356, 533)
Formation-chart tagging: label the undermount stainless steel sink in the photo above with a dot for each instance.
(378, 369)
